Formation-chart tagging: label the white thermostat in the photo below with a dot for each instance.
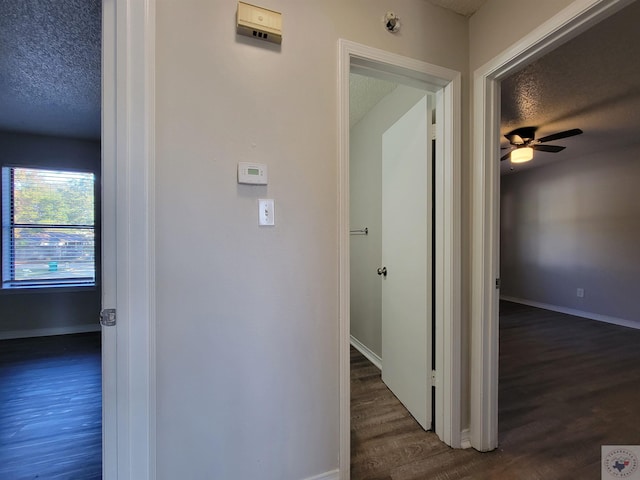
(252, 173)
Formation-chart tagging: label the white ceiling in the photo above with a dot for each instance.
(463, 7)
(50, 77)
(50, 60)
(364, 94)
(591, 82)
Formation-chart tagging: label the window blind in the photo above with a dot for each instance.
(48, 227)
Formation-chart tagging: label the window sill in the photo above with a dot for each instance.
(21, 289)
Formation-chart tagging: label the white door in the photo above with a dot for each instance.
(406, 256)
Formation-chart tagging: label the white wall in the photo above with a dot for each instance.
(574, 224)
(365, 177)
(247, 337)
(501, 23)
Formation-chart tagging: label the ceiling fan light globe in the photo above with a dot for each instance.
(521, 155)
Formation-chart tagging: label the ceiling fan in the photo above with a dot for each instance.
(523, 141)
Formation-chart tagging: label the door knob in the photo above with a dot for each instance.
(382, 271)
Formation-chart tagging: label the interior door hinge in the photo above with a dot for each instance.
(497, 283)
(108, 317)
(433, 378)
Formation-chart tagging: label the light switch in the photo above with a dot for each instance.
(266, 213)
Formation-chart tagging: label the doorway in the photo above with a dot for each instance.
(51, 162)
(127, 143)
(391, 261)
(485, 269)
(444, 85)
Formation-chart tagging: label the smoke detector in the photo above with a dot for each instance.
(391, 22)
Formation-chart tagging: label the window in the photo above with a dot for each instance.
(48, 236)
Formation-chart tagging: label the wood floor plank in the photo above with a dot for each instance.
(567, 386)
(51, 408)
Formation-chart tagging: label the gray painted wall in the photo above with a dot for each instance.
(247, 317)
(575, 224)
(487, 40)
(38, 311)
(365, 177)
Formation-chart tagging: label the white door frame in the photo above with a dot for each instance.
(568, 23)
(128, 96)
(446, 84)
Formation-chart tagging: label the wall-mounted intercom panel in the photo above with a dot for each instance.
(260, 23)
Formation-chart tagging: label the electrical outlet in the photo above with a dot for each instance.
(580, 292)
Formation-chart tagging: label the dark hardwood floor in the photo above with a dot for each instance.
(50, 408)
(567, 386)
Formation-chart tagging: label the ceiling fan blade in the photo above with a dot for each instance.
(522, 135)
(559, 135)
(514, 139)
(548, 148)
(505, 157)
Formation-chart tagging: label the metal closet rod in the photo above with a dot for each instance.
(361, 231)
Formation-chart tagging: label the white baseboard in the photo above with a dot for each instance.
(47, 332)
(577, 313)
(364, 350)
(465, 438)
(332, 475)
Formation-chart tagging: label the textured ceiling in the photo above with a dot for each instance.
(463, 7)
(592, 82)
(364, 94)
(50, 67)
(50, 77)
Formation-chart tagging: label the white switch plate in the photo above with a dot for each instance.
(266, 212)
